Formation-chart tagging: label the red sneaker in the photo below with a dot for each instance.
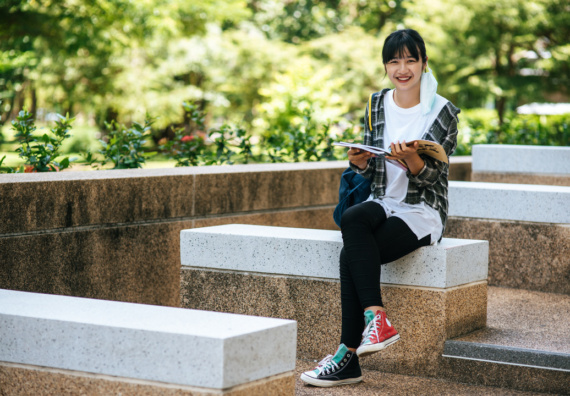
(378, 334)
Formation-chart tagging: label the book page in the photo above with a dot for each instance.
(433, 149)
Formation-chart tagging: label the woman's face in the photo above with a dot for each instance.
(405, 72)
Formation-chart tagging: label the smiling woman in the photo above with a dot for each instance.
(406, 209)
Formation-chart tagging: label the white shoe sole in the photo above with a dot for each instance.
(326, 384)
(366, 350)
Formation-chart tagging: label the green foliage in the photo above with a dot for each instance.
(40, 152)
(124, 147)
(482, 127)
(262, 64)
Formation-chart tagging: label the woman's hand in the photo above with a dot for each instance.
(407, 153)
(359, 158)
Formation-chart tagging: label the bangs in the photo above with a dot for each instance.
(398, 43)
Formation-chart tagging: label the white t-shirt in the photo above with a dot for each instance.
(408, 124)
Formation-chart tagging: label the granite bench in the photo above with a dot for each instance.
(87, 346)
(504, 163)
(433, 294)
(527, 226)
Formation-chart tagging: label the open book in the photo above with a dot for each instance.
(433, 149)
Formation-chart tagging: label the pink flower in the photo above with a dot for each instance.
(187, 139)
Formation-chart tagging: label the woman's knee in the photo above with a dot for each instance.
(362, 214)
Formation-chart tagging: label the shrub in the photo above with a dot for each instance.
(481, 126)
(40, 152)
(124, 146)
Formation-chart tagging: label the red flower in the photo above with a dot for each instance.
(187, 139)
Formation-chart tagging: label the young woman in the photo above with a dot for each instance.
(407, 209)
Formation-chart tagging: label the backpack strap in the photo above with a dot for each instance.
(370, 111)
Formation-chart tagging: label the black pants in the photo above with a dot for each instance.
(370, 239)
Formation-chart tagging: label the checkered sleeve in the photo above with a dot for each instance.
(446, 135)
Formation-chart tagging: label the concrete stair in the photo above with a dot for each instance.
(525, 349)
(525, 346)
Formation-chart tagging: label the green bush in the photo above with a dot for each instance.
(40, 152)
(124, 147)
(480, 126)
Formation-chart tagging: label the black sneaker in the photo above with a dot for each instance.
(341, 369)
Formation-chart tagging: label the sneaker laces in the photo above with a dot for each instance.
(326, 365)
(371, 330)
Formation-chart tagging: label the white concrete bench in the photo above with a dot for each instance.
(504, 201)
(528, 227)
(315, 253)
(182, 347)
(432, 294)
(521, 164)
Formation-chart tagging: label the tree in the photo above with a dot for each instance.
(509, 51)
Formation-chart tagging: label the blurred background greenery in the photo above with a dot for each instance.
(264, 65)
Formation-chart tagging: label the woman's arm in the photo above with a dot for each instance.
(432, 169)
(363, 162)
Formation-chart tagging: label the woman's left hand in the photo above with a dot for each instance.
(409, 154)
(403, 151)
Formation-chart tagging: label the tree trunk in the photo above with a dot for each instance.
(34, 99)
(500, 103)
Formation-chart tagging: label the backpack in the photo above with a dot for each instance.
(354, 188)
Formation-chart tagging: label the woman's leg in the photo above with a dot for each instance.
(369, 240)
(360, 250)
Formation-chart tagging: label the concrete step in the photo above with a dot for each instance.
(527, 226)
(524, 350)
(525, 346)
(379, 383)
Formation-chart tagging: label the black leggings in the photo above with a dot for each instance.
(370, 239)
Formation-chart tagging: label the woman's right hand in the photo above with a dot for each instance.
(359, 158)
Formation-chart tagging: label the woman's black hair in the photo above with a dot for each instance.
(400, 40)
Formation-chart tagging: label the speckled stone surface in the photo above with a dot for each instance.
(534, 256)
(460, 168)
(379, 383)
(521, 320)
(172, 345)
(521, 178)
(520, 158)
(503, 201)
(115, 234)
(424, 317)
(71, 199)
(137, 263)
(526, 319)
(506, 354)
(310, 252)
(25, 380)
(505, 376)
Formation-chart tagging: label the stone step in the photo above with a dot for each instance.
(315, 253)
(504, 163)
(96, 345)
(527, 226)
(433, 294)
(525, 346)
(378, 383)
(513, 202)
(481, 351)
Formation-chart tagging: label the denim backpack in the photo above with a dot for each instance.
(354, 188)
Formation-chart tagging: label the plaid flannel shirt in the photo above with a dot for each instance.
(430, 185)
